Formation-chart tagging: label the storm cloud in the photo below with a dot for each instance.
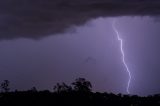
(39, 18)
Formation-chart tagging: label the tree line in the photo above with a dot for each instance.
(79, 93)
(80, 84)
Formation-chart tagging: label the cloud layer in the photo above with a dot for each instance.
(39, 18)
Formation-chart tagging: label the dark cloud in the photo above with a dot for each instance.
(39, 18)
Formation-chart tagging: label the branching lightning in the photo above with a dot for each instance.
(123, 55)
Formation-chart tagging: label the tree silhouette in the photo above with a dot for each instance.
(5, 86)
(81, 84)
(33, 89)
(62, 88)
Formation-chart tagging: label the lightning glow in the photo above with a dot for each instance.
(123, 55)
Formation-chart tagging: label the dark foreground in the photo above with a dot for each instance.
(74, 98)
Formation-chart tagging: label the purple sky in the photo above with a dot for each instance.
(91, 51)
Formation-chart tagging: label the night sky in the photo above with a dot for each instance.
(43, 42)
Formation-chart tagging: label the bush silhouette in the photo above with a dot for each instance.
(5, 86)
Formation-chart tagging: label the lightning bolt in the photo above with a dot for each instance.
(123, 55)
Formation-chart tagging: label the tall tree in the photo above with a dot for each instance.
(81, 84)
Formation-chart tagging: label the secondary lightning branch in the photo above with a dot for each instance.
(123, 55)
